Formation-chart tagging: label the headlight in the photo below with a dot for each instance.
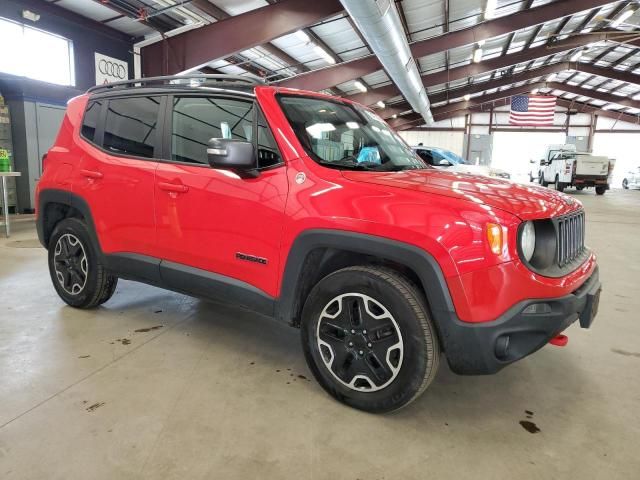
(528, 241)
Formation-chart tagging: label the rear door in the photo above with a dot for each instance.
(121, 143)
(212, 219)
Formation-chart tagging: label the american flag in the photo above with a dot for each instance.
(532, 110)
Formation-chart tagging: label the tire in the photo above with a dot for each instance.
(625, 184)
(541, 180)
(401, 348)
(600, 190)
(559, 185)
(75, 268)
(580, 188)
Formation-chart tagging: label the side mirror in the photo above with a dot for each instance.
(444, 163)
(233, 155)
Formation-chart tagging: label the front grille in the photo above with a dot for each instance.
(569, 237)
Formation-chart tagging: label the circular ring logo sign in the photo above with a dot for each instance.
(109, 69)
(112, 69)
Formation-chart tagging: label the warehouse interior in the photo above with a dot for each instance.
(159, 384)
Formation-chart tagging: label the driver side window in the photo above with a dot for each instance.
(426, 156)
(195, 120)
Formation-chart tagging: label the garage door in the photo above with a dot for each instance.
(513, 150)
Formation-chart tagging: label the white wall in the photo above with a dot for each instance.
(446, 139)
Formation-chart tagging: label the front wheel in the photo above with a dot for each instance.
(559, 185)
(75, 268)
(600, 190)
(368, 338)
(625, 184)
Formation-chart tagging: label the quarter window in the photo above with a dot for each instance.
(198, 119)
(268, 154)
(130, 128)
(90, 122)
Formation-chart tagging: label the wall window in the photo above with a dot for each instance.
(36, 54)
(198, 119)
(130, 128)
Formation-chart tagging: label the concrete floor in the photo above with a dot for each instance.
(220, 393)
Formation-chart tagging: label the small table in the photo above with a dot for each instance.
(5, 199)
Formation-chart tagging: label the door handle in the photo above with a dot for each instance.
(91, 174)
(173, 187)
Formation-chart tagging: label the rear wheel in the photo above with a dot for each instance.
(75, 268)
(625, 184)
(368, 338)
(559, 185)
(600, 190)
(541, 180)
(580, 187)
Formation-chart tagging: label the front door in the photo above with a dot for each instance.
(117, 167)
(213, 220)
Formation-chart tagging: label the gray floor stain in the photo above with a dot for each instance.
(625, 353)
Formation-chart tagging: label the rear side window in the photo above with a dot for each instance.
(90, 121)
(198, 119)
(130, 127)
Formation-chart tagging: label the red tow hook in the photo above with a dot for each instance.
(559, 340)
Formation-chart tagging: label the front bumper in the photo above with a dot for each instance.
(484, 348)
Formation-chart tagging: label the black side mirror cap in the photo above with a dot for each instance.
(233, 155)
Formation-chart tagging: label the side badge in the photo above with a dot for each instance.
(300, 178)
(251, 258)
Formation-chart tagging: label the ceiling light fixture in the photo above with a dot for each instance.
(477, 55)
(360, 86)
(467, 97)
(303, 36)
(551, 77)
(576, 56)
(535, 91)
(622, 17)
(490, 11)
(381, 104)
(324, 54)
(29, 15)
(395, 115)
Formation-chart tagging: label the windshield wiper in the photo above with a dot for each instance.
(347, 166)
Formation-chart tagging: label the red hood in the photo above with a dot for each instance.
(526, 201)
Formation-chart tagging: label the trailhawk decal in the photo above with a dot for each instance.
(251, 258)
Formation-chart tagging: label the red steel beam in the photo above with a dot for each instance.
(481, 87)
(233, 34)
(331, 76)
(461, 108)
(474, 102)
(525, 76)
(592, 93)
(219, 14)
(585, 108)
(372, 96)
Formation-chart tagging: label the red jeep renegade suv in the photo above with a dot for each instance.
(310, 209)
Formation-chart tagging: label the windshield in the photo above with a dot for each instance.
(346, 136)
(452, 158)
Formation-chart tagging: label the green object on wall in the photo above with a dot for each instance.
(5, 160)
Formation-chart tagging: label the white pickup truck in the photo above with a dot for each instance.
(564, 167)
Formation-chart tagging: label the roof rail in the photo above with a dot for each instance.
(175, 79)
